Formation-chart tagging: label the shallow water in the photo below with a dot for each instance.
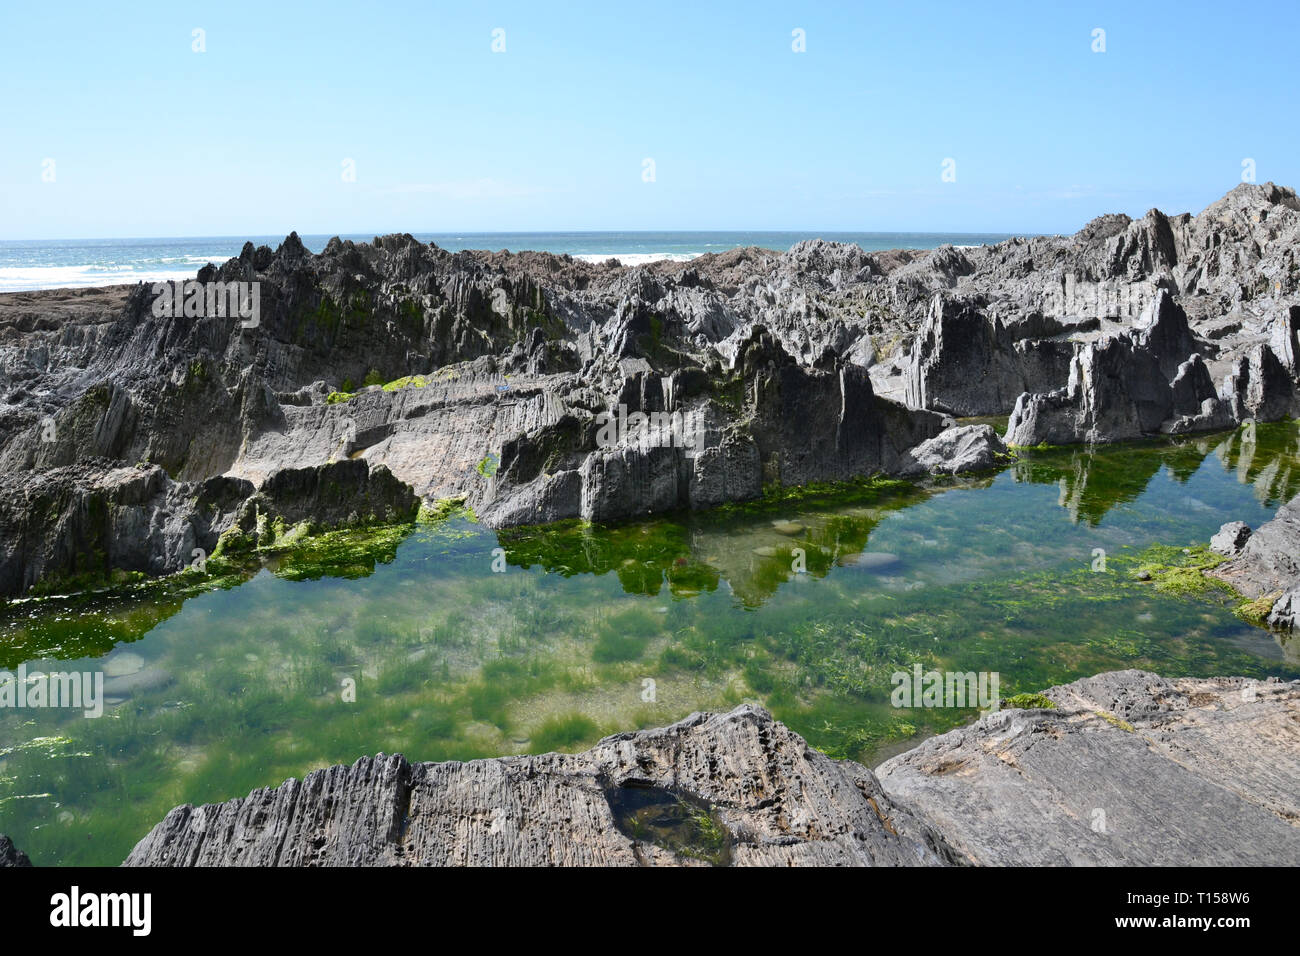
(592, 630)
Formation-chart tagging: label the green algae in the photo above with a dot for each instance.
(1114, 721)
(1029, 702)
(1257, 611)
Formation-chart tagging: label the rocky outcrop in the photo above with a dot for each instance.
(76, 525)
(692, 448)
(1133, 384)
(340, 494)
(10, 855)
(965, 362)
(962, 448)
(84, 525)
(792, 367)
(1265, 563)
(737, 788)
(1230, 538)
(1128, 769)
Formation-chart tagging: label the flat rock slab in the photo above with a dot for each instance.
(1130, 769)
(780, 802)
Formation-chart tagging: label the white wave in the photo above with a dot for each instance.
(31, 278)
(637, 258)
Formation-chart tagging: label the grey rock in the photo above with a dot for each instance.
(1259, 387)
(799, 364)
(962, 448)
(1129, 770)
(83, 522)
(962, 362)
(1132, 384)
(782, 804)
(10, 855)
(1230, 538)
(1269, 563)
(96, 517)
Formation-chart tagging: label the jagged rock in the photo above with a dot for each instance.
(1132, 384)
(1192, 387)
(1115, 392)
(779, 802)
(795, 425)
(10, 855)
(1130, 769)
(485, 353)
(347, 492)
(86, 521)
(1230, 538)
(1259, 387)
(962, 361)
(824, 423)
(1163, 331)
(965, 362)
(80, 524)
(1269, 563)
(958, 449)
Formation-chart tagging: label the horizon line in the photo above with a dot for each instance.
(811, 233)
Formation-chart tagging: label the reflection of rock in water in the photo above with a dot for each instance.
(1268, 463)
(122, 664)
(870, 561)
(142, 681)
(1290, 644)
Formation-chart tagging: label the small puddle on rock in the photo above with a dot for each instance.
(679, 822)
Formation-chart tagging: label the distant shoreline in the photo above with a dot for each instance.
(34, 265)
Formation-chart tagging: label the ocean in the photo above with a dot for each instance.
(69, 263)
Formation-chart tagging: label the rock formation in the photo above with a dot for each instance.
(737, 788)
(489, 376)
(1265, 563)
(1126, 769)
(10, 855)
(84, 524)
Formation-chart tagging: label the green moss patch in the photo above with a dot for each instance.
(1029, 702)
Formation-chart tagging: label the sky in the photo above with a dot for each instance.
(115, 124)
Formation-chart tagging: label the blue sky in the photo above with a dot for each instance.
(150, 138)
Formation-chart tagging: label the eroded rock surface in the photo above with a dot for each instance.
(960, 448)
(1267, 563)
(78, 525)
(779, 802)
(10, 855)
(1129, 769)
(726, 374)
